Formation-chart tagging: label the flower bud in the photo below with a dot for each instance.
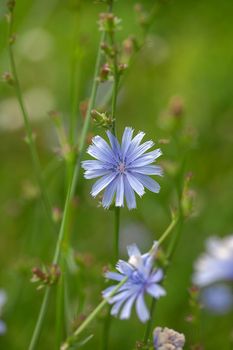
(46, 276)
(102, 119)
(8, 78)
(108, 22)
(11, 5)
(165, 338)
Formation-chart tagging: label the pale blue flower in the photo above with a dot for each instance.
(123, 169)
(142, 279)
(217, 298)
(214, 274)
(216, 264)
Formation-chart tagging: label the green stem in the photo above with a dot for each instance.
(30, 137)
(40, 320)
(107, 321)
(166, 233)
(60, 309)
(70, 194)
(117, 231)
(168, 230)
(149, 323)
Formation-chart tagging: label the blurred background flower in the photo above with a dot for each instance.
(214, 274)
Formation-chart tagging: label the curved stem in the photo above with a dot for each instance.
(29, 133)
(166, 233)
(91, 317)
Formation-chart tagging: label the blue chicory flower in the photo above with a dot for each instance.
(123, 169)
(214, 275)
(217, 298)
(216, 264)
(142, 279)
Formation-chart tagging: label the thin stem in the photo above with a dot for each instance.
(107, 321)
(70, 194)
(149, 323)
(40, 320)
(30, 137)
(117, 230)
(106, 329)
(168, 230)
(166, 233)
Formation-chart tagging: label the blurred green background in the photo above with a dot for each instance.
(188, 53)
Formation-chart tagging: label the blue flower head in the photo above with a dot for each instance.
(142, 279)
(216, 265)
(123, 169)
(214, 274)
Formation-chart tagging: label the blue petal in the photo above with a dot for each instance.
(132, 249)
(141, 308)
(120, 296)
(116, 307)
(124, 267)
(120, 192)
(137, 152)
(149, 183)
(135, 142)
(104, 147)
(126, 310)
(147, 169)
(109, 193)
(113, 276)
(102, 183)
(115, 145)
(92, 174)
(98, 153)
(126, 140)
(95, 165)
(107, 292)
(156, 291)
(147, 158)
(157, 276)
(135, 184)
(129, 194)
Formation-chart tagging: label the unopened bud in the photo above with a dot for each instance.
(12, 39)
(102, 119)
(83, 107)
(122, 67)
(56, 214)
(108, 22)
(188, 197)
(104, 72)
(8, 78)
(176, 106)
(166, 338)
(45, 277)
(11, 5)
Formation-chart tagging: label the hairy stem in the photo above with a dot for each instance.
(29, 133)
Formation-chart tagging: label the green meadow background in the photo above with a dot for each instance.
(188, 53)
